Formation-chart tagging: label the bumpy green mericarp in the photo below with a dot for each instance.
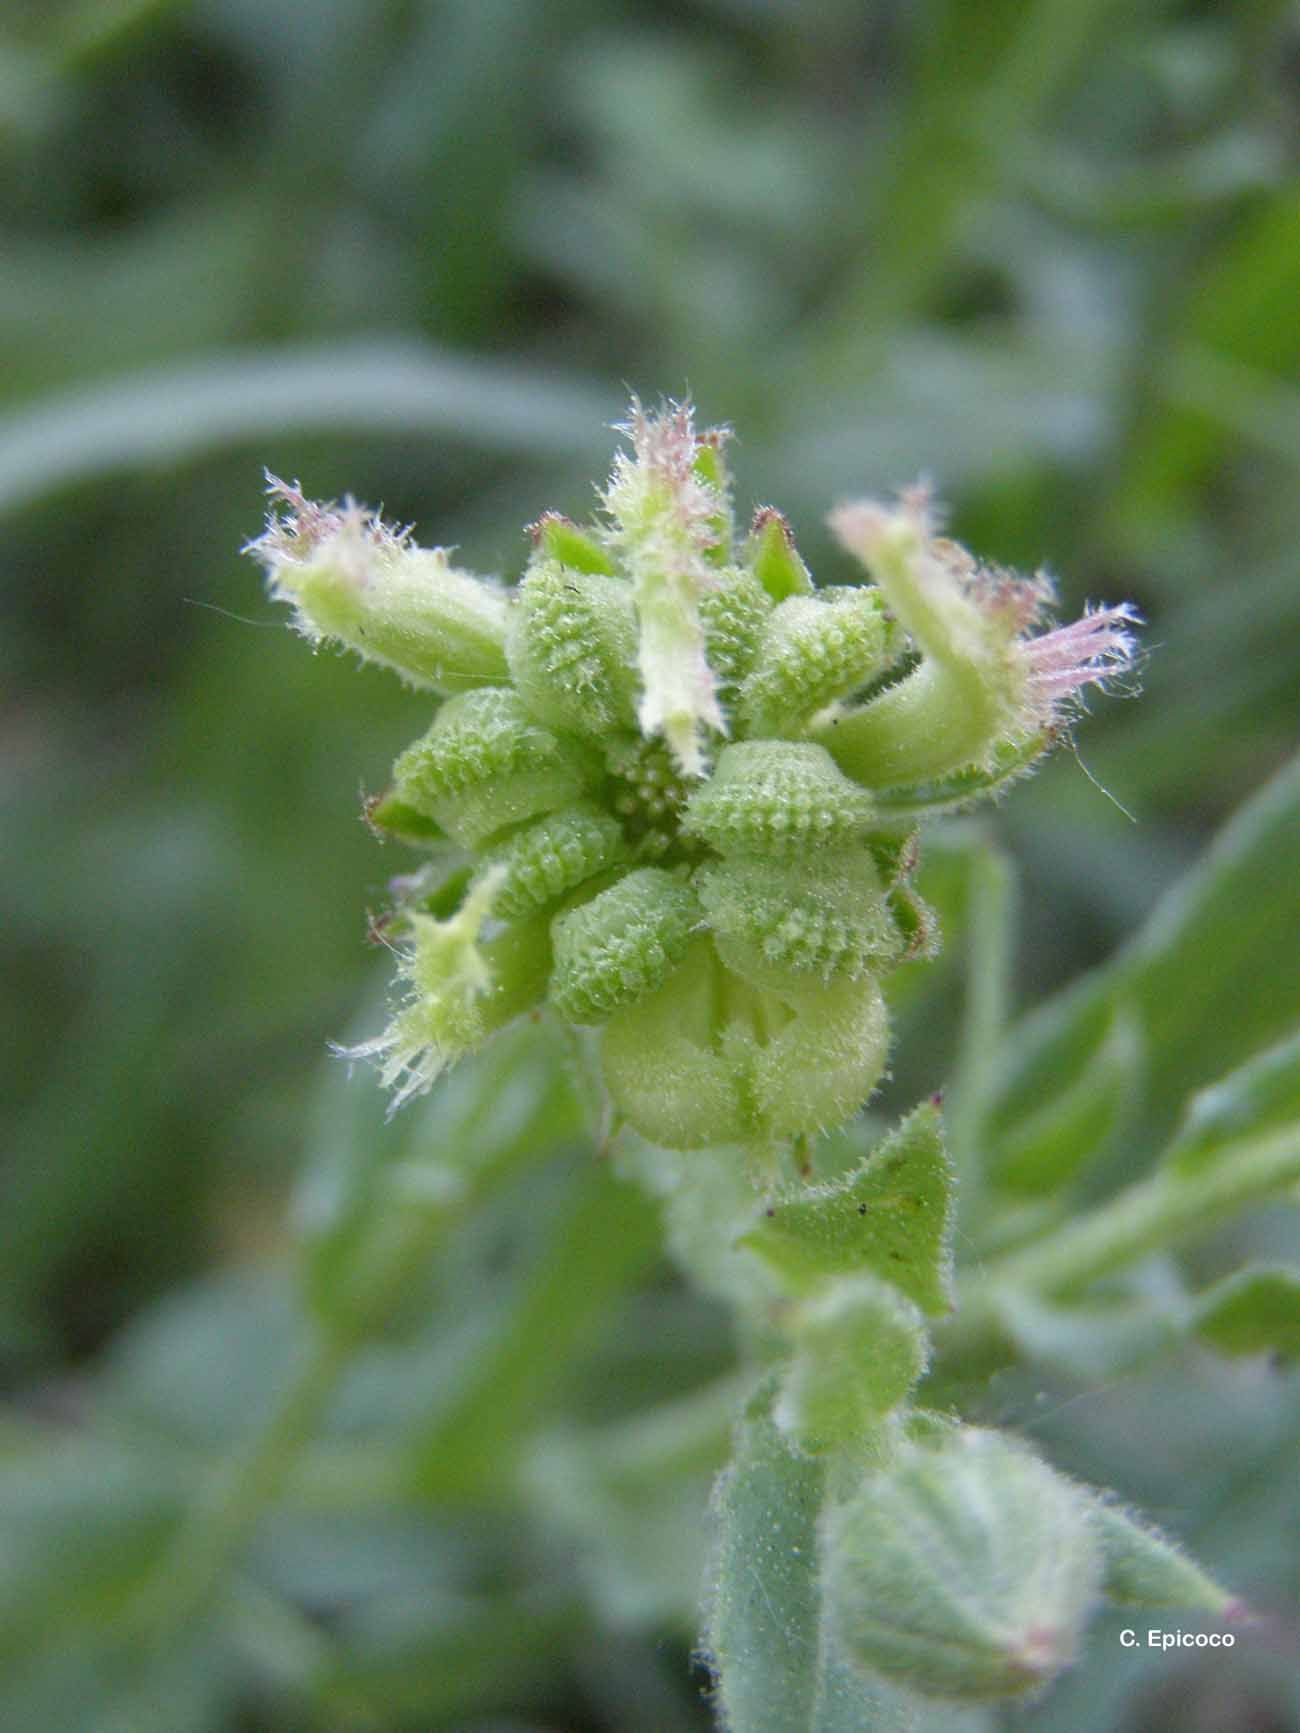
(688, 771)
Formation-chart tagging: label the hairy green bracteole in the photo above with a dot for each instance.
(671, 791)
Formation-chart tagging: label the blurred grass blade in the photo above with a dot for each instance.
(1259, 1096)
(1049, 1147)
(167, 415)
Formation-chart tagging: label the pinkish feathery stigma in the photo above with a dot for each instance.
(296, 526)
(664, 449)
(1089, 652)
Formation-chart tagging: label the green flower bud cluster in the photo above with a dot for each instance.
(686, 777)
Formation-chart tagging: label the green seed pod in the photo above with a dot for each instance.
(485, 765)
(553, 857)
(621, 945)
(669, 1074)
(815, 649)
(819, 1067)
(708, 1058)
(794, 923)
(965, 1570)
(733, 615)
(780, 798)
(572, 648)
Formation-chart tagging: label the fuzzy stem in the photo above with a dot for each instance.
(256, 1474)
(1167, 1209)
(248, 1483)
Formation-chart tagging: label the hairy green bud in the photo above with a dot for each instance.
(966, 1569)
(859, 1346)
(689, 774)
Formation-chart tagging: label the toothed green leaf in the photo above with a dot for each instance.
(891, 1216)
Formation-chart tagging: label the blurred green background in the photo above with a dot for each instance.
(1046, 252)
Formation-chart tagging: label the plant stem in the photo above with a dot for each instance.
(989, 900)
(255, 1475)
(247, 1483)
(1164, 1210)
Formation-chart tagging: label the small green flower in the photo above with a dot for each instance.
(685, 772)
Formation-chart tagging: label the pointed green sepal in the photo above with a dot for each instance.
(388, 816)
(558, 538)
(771, 555)
(1143, 1569)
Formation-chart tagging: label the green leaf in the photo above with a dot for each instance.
(629, 1498)
(373, 1186)
(445, 1660)
(1236, 312)
(1256, 1311)
(1047, 1149)
(608, 1234)
(1094, 1340)
(1208, 982)
(892, 1215)
(859, 1346)
(1143, 1569)
(84, 1525)
(166, 415)
(1262, 1095)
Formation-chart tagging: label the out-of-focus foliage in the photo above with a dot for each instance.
(1047, 253)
